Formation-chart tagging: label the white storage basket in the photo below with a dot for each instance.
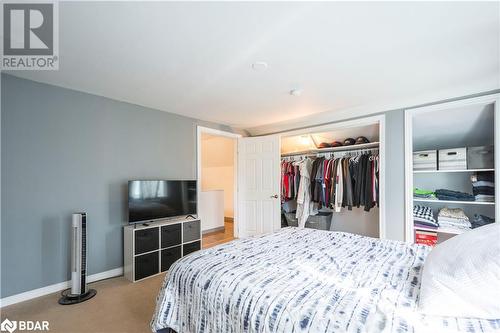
(425, 160)
(453, 159)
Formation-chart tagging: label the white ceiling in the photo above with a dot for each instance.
(195, 58)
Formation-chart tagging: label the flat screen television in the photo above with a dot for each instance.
(156, 199)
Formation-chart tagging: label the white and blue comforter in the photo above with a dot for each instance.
(302, 280)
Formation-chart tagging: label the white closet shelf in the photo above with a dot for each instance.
(445, 171)
(455, 201)
(438, 230)
(334, 149)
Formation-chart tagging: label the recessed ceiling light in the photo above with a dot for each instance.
(296, 92)
(259, 66)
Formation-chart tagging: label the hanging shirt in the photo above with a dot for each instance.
(361, 180)
(284, 182)
(296, 178)
(368, 186)
(374, 180)
(291, 183)
(347, 195)
(339, 187)
(317, 179)
(304, 194)
(333, 175)
(314, 169)
(327, 179)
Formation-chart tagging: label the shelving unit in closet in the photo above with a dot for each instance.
(446, 146)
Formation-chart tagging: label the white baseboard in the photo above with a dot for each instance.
(57, 287)
(207, 231)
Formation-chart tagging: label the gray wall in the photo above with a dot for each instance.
(64, 151)
(395, 175)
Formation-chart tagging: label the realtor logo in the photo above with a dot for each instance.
(30, 33)
(28, 29)
(8, 325)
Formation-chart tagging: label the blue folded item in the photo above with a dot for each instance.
(443, 194)
(481, 220)
(486, 190)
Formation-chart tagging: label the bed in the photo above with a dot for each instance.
(302, 280)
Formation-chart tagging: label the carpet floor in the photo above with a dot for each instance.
(119, 306)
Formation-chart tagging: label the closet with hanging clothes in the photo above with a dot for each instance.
(330, 178)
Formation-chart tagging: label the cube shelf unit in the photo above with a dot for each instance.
(151, 249)
(463, 123)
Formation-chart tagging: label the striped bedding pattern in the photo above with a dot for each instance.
(302, 280)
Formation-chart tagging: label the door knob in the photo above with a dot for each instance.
(274, 196)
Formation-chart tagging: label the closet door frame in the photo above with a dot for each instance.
(371, 120)
(409, 114)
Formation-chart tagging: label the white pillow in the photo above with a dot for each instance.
(461, 276)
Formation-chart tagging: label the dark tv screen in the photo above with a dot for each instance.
(155, 199)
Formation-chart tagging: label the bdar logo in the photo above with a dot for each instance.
(8, 325)
(24, 325)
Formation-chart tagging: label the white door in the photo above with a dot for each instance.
(258, 185)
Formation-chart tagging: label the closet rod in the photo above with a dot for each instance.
(364, 146)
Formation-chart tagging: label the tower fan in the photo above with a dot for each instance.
(78, 291)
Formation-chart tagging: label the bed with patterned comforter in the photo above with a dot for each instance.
(302, 280)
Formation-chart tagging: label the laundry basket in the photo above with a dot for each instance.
(291, 220)
(321, 221)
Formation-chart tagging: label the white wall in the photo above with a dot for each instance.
(212, 209)
(217, 172)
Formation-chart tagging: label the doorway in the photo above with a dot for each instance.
(217, 185)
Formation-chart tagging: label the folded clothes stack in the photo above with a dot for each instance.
(479, 220)
(453, 219)
(419, 193)
(423, 217)
(483, 186)
(450, 195)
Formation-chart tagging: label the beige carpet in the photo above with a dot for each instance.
(119, 306)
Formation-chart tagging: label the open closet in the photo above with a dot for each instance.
(452, 159)
(332, 177)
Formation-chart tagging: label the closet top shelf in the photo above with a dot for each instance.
(444, 171)
(334, 149)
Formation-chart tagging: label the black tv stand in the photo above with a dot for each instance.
(148, 251)
(191, 216)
